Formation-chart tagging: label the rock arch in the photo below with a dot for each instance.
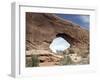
(68, 38)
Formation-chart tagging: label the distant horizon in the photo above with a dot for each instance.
(82, 20)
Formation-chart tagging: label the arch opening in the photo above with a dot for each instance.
(60, 43)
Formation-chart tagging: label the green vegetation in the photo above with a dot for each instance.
(35, 61)
(66, 60)
(32, 61)
(28, 62)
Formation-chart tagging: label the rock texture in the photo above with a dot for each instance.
(42, 28)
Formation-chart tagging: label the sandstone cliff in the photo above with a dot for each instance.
(42, 28)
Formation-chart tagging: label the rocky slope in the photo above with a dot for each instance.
(42, 28)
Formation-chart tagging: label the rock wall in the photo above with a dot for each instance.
(42, 28)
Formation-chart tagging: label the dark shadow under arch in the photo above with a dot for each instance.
(67, 37)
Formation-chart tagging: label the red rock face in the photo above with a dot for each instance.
(42, 28)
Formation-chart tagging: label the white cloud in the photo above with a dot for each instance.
(85, 19)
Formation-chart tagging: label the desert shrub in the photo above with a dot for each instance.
(35, 61)
(66, 60)
(71, 51)
(59, 52)
(28, 62)
(66, 52)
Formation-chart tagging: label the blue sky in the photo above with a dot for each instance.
(82, 20)
(59, 44)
